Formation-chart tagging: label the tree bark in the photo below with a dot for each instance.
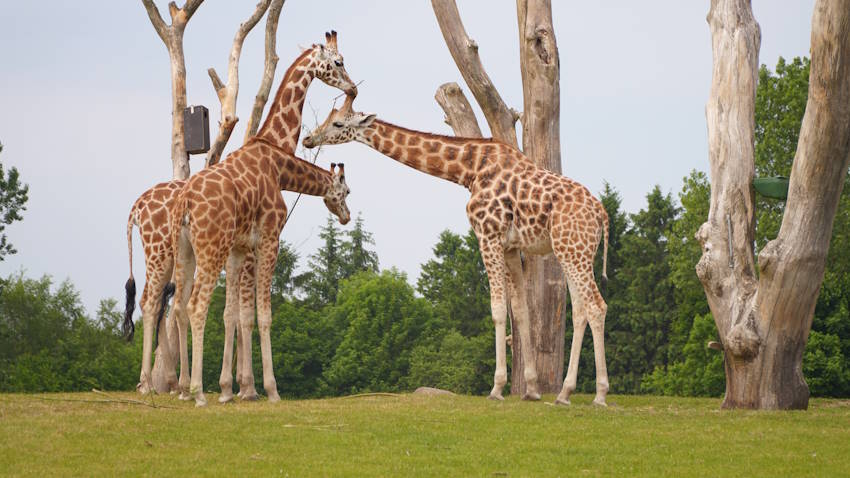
(268, 70)
(172, 37)
(459, 114)
(227, 92)
(764, 321)
(541, 142)
(464, 50)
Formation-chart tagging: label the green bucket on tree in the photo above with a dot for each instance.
(775, 187)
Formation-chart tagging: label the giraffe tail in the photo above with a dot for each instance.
(167, 292)
(128, 328)
(604, 248)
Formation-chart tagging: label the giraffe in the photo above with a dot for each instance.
(149, 213)
(234, 208)
(515, 206)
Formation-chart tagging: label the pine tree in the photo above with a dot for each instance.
(13, 196)
(321, 283)
(355, 253)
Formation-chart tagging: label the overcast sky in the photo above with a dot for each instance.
(85, 106)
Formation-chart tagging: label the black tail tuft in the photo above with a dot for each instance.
(167, 292)
(129, 328)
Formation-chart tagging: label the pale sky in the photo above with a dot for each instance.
(85, 107)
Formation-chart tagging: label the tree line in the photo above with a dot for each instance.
(342, 326)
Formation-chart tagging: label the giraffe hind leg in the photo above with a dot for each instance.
(519, 306)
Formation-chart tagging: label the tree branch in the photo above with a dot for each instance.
(465, 53)
(268, 70)
(459, 114)
(227, 93)
(157, 21)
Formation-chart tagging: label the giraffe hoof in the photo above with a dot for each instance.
(224, 398)
(143, 389)
(563, 402)
(531, 396)
(200, 400)
(250, 397)
(185, 396)
(599, 402)
(273, 397)
(496, 397)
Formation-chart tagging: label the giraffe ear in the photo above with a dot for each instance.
(367, 120)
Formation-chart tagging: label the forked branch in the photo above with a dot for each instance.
(464, 50)
(227, 92)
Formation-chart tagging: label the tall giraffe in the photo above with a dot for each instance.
(234, 208)
(514, 206)
(149, 213)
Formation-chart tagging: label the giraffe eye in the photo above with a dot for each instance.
(338, 63)
(337, 124)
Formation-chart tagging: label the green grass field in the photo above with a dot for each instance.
(408, 435)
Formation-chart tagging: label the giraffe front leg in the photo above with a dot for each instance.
(266, 258)
(494, 261)
(247, 390)
(519, 305)
(231, 317)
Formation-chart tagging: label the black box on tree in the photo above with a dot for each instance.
(196, 124)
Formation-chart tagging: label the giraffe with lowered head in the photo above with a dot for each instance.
(514, 206)
(235, 208)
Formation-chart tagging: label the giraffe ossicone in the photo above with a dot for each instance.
(514, 206)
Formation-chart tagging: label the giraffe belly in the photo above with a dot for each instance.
(538, 244)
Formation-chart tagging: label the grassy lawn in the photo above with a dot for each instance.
(411, 435)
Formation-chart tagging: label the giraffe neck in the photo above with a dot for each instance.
(450, 158)
(295, 174)
(283, 122)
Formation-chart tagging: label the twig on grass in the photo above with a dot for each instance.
(374, 394)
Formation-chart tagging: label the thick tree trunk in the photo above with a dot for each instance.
(172, 37)
(541, 142)
(764, 321)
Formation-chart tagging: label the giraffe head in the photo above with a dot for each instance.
(342, 126)
(327, 64)
(337, 193)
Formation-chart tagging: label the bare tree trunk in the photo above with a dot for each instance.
(541, 142)
(172, 37)
(764, 321)
(228, 92)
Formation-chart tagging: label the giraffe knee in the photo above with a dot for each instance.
(264, 324)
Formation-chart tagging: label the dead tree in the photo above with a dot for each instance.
(764, 311)
(172, 37)
(539, 64)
